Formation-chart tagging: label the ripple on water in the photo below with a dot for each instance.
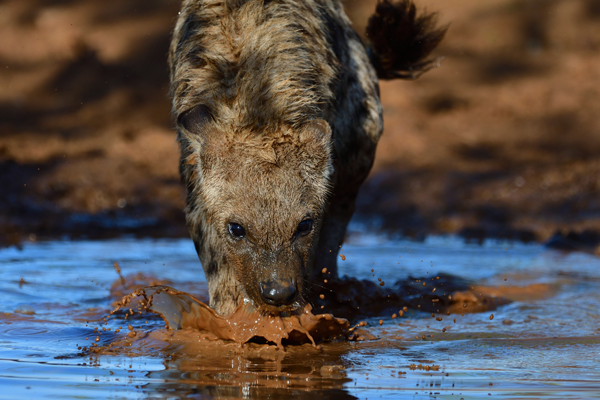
(543, 344)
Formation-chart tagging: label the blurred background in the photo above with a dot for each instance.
(503, 140)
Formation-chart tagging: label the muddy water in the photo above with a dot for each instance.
(545, 343)
(183, 312)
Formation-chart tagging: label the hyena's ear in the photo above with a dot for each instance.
(195, 120)
(315, 139)
(316, 131)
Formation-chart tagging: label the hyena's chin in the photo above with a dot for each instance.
(284, 311)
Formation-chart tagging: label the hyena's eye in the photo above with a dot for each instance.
(236, 230)
(195, 120)
(305, 226)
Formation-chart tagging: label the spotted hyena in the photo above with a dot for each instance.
(278, 116)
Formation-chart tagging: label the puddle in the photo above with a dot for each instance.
(544, 342)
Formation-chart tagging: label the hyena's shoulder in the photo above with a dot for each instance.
(260, 63)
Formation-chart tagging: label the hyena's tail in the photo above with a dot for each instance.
(399, 40)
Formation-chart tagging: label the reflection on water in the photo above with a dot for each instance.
(545, 343)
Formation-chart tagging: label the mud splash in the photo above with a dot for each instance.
(182, 311)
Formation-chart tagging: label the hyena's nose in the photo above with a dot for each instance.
(278, 293)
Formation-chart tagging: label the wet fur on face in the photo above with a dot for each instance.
(268, 185)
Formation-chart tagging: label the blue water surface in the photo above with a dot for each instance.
(545, 346)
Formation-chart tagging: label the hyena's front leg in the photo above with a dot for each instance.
(332, 236)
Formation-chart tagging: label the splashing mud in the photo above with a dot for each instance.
(351, 297)
(189, 320)
(181, 310)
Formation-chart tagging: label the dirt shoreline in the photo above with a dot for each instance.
(501, 141)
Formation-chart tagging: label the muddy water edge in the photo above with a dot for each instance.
(521, 322)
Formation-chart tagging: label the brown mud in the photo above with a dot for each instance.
(354, 299)
(500, 141)
(193, 326)
(193, 329)
(180, 311)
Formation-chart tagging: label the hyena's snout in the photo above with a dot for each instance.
(277, 284)
(278, 292)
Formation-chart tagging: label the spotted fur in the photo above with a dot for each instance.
(278, 116)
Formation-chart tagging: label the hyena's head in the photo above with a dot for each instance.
(255, 206)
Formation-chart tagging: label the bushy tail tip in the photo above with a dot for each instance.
(400, 40)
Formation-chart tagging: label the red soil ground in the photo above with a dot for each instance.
(501, 141)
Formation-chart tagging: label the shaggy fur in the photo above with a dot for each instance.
(278, 112)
